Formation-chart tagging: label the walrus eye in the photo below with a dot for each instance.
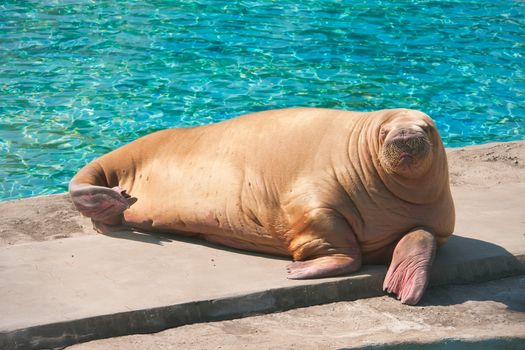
(423, 126)
(383, 133)
(426, 128)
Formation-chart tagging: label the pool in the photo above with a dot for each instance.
(79, 78)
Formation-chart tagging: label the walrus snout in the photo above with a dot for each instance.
(405, 149)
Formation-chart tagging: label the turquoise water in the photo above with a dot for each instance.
(79, 78)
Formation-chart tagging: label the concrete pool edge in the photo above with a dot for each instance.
(151, 320)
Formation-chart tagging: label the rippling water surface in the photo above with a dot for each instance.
(79, 78)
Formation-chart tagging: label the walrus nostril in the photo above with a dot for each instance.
(406, 132)
(406, 136)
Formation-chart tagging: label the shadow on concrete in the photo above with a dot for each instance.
(160, 238)
(461, 260)
(465, 248)
(144, 237)
(465, 261)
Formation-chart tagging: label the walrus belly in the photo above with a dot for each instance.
(188, 209)
(207, 226)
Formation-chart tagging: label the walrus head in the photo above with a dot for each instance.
(406, 144)
(408, 155)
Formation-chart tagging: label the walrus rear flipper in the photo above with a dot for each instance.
(102, 204)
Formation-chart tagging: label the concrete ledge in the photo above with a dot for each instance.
(280, 299)
(160, 318)
(147, 320)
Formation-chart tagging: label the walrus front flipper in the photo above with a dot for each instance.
(408, 274)
(325, 266)
(322, 245)
(102, 204)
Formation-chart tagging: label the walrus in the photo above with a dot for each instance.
(333, 189)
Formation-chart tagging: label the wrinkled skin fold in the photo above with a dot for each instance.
(331, 189)
(408, 273)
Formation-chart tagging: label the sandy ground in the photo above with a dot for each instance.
(487, 310)
(54, 217)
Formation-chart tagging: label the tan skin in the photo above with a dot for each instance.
(332, 189)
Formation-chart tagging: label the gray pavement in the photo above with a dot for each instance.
(66, 291)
